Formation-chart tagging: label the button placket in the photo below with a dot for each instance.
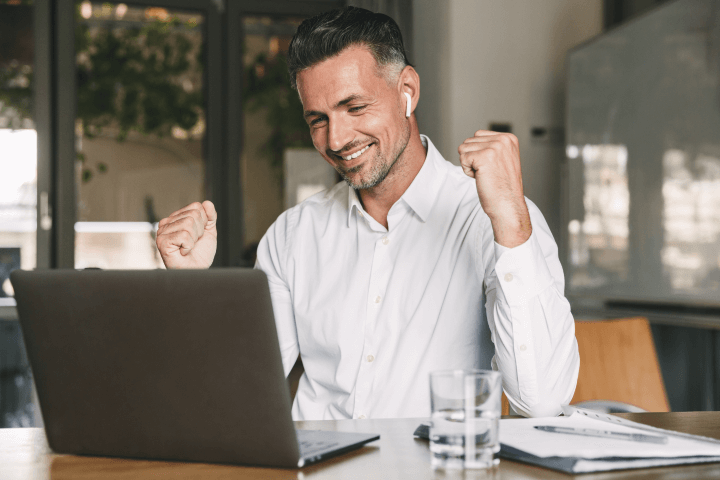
(379, 276)
(380, 273)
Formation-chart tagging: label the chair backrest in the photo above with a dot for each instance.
(618, 362)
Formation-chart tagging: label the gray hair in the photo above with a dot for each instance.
(326, 35)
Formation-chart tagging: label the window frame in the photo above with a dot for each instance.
(55, 101)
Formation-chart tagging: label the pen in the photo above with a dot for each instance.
(588, 432)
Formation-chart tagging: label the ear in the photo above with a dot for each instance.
(409, 85)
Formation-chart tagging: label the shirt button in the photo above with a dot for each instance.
(377, 299)
(361, 417)
(385, 241)
(508, 277)
(523, 348)
(370, 358)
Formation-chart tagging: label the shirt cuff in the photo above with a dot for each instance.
(522, 272)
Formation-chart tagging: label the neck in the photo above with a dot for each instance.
(378, 200)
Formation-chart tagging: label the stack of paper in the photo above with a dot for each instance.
(581, 454)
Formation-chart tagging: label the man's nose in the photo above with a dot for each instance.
(340, 134)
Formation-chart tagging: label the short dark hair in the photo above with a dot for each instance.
(326, 35)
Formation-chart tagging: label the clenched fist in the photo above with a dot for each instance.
(188, 237)
(493, 160)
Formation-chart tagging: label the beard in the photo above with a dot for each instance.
(380, 166)
(379, 169)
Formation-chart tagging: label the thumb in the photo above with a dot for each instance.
(211, 214)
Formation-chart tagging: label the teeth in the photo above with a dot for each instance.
(356, 154)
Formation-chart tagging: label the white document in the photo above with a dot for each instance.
(521, 435)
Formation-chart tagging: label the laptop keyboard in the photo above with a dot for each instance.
(311, 442)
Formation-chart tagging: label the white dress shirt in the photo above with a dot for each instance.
(372, 311)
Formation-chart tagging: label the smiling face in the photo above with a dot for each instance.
(356, 117)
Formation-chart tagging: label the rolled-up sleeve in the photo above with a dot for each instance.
(272, 255)
(530, 320)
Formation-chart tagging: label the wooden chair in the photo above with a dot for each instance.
(618, 363)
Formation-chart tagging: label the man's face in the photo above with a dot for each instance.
(356, 118)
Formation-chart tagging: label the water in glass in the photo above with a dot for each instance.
(465, 405)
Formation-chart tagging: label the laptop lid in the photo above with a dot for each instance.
(177, 365)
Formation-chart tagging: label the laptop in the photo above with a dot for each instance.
(167, 365)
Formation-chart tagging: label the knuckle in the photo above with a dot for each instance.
(184, 236)
(187, 222)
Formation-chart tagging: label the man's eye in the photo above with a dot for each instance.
(317, 122)
(356, 109)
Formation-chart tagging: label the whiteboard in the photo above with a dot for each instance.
(643, 160)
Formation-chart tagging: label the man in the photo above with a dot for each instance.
(378, 281)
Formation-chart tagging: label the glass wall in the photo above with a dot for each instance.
(18, 145)
(139, 130)
(272, 121)
(18, 193)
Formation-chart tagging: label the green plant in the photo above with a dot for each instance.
(144, 78)
(16, 101)
(148, 78)
(267, 88)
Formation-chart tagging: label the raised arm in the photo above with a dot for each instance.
(529, 317)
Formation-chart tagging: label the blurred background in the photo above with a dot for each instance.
(113, 115)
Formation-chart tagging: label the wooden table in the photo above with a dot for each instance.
(24, 454)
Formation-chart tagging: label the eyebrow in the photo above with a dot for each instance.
(344, 101)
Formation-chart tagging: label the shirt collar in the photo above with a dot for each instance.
(353, 203)
(423, 190)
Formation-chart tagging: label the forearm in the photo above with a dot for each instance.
(537, 354)
(529, 316)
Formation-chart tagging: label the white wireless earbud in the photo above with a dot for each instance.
(409, 104)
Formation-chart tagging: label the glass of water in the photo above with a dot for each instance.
(465, 412)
